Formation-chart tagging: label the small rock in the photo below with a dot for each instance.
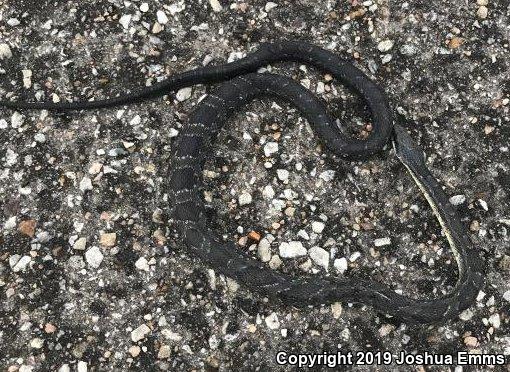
(27, 78)
(86, 184)
(457, 199)
(270, 148)
(80, 244)
(380, 242)
(482, 2)
(268, 192)
(272, 321)
(482, 12)
(320, 256)
(471, 341)
(95, 168)
(495, 320)
(215, 5)
(164, 352)
(264, 250)
(140, 333)
(466, 315)
(5, 51)
(36, 343)
(162, 18)
(255, 236)
(386, 329)
(142, 264)
(385, 45)
(157, 28)
(275, 262)
(125, 20)
(245, 199)
(134, 351)
(40, 137)
(317, 227)
(82, 366)
(108, 239)
(94, 257)
(144, 7)
(340, 265)
(270, 5)
(336, 309)
(27, 228)
(292, 249)
(183, 94)
(506, 296)
(328, 175)
(17, 120)
(283, 174)
(49, 328)
(13, 22)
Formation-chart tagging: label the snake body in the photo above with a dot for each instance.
(240, 85)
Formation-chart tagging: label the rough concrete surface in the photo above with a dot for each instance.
(92, 277)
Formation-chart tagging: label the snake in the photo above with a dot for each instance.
(241, 82)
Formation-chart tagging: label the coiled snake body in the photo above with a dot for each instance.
(241, 85)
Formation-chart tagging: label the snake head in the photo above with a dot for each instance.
(405, 148)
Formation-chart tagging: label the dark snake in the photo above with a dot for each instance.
(240, 85)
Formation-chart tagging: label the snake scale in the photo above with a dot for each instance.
(240, 85)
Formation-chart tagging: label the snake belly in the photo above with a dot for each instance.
(240, 86)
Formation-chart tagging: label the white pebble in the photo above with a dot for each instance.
(183, 94)
(82, 366)
(340, 265)
(40, 137)
(292, 249)
(264, 250)
(272, 321)
(144, 7)
(22, 264)
(354, 256)
(11, 157)
(142, 264)
(317, 227)
(85, 184)
(215, 5)
(17, 120)
(380, 242)
(13, 22)
(482, 12)
(270, 5)
(245, 198)
(484, 205)
(506, 296)
(457, 199)
(125, 20)
(319, 256)
(27, 78)
(162, 18)
(283, 174)
(270, 148)
(495, 320)
(268, 192)
(327, 175)
(3, 124)
(36, 343)
(385, 45)
(140, 333)
(94, 257)
(10, 223)
(80, 244)
(5, 51)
